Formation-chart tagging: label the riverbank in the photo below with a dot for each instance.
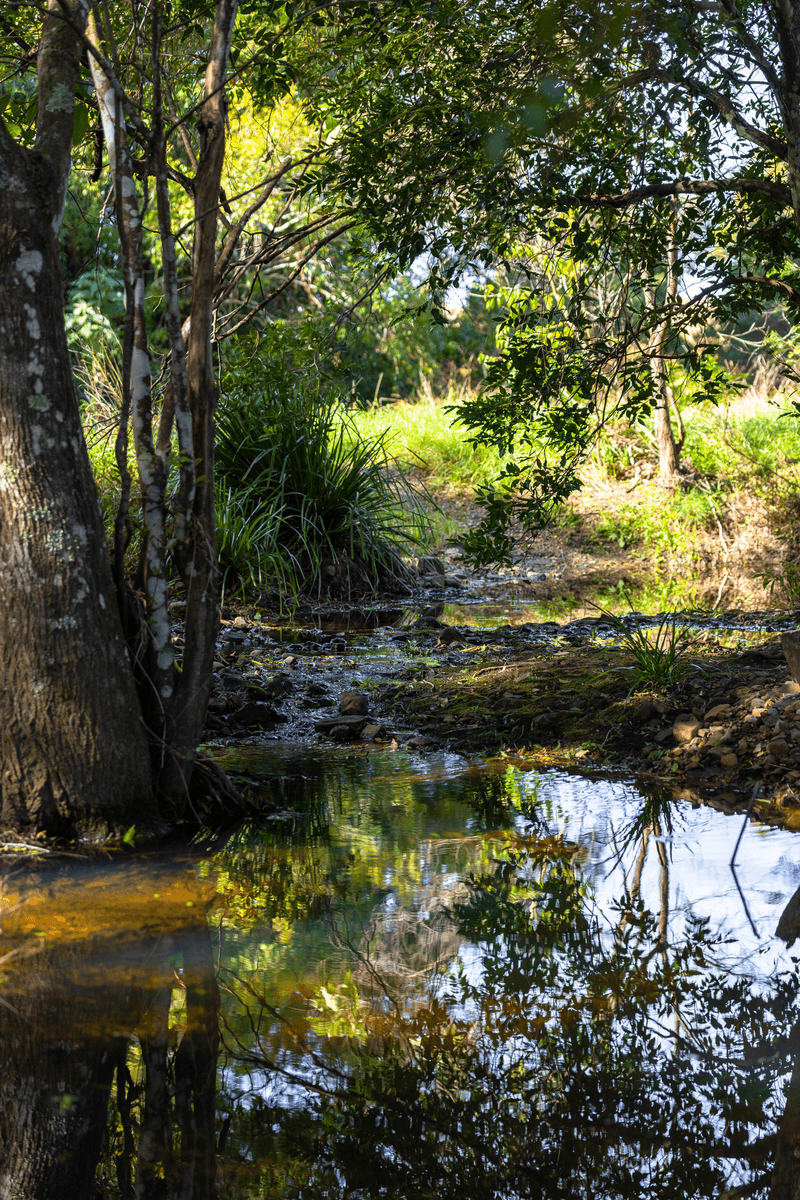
(553, 694)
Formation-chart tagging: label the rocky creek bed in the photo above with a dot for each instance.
(554, 694)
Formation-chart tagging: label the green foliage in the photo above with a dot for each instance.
(301, 494)
(659, 652)
(785, 581)
(95, 311)
(665, 526)
(395, 348)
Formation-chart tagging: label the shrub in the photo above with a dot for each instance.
(301, 495)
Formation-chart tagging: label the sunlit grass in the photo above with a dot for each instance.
(426, 438)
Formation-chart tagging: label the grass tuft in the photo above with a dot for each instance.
(304, 497)
(658, 651)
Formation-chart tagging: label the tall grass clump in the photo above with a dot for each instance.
(304, 498)
(659, 652)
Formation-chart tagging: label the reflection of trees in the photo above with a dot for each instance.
(115, 1011)
(573, 1060)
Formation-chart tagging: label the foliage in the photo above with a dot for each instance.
(301, 493)
(423, 433)
(574, 169)
(659, 652)
(94, 313)
(391, 349)
(785, 580)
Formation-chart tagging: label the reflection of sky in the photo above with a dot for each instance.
(593, 812)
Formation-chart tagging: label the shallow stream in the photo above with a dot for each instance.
(420, 976)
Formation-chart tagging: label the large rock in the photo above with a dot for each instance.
(353, 725)
(685, 728)
(255, 713)
(353, 704)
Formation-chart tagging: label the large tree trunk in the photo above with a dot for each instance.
(73, 751)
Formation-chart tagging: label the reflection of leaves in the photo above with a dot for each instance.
(576, 1061)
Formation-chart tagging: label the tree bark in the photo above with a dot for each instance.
(199, 561)
(74, 754)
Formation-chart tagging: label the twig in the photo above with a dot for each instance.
(753, 798)
(721, 589)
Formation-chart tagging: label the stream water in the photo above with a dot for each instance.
(419, 976)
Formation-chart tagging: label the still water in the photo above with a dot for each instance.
(418, 978)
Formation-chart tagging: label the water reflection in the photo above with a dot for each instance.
(489, 982)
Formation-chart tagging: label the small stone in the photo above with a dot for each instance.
(239, 623)
(289, 661)
(451, 637)
(719, 710)
(370, 732)
(431, 567)
(279, 685)
(686, 728)
(779, 748)
(353, 704)
(729, 760)
(353, 723)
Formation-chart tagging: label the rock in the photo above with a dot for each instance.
(232, 678)
(289, 661)
(255, 713)
(662, 707)
(353, 704)
(719, 710)
(640, 709)
(280, 685)
(354, 724)
(685, 728)
(729, 760)
(432, 568)
(313, 689)
(232, 641)
(417, 742)
(779, 747)
(451, 637)
(370, 732)
(790, 644)
(424, 622)
(239, 623)
(789, 925)
(218, 705)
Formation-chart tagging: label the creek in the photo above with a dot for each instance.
(415, 974)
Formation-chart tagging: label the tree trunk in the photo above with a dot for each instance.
(669, 455)
(73, 753)
(199, 561)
